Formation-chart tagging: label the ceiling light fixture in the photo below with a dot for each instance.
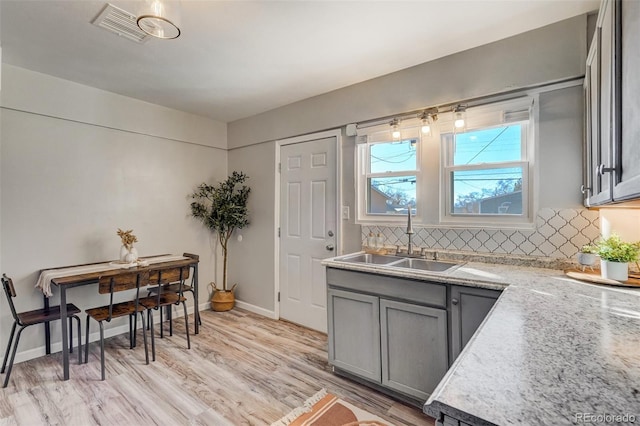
(395, 129)
(160, 18)
(459, 118)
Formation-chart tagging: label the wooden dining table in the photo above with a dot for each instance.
(63, 283)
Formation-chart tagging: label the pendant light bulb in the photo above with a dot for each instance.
(426, 125)
(395, 130)
(459, 119)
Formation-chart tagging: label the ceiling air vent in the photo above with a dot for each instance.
(120, 22)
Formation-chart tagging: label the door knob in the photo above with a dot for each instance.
(329, 247)
(454, 301)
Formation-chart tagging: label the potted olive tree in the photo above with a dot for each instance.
(615, 256)
(222, 209)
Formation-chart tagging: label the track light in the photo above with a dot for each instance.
(459, 118)
(395, 129)
(428, 118)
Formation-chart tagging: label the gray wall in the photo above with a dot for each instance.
(559, 153)
(76, 164)
(547, 54)
(251, 261)
(552, 53)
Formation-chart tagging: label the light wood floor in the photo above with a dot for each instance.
(243, 369)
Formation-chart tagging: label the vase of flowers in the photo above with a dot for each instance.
(128, 253)
(615, 256)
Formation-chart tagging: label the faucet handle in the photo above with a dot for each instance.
(423, 252)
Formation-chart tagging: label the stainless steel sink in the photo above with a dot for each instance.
(377, 259)
(426, 265)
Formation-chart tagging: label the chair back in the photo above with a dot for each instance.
(191, 255)
(10, 291)
(164, 277)
(110, 284)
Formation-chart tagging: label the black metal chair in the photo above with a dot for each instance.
(180, 287)
(166, 299)
(110, 284)
(37, 316)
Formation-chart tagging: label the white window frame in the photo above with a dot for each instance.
(485, 117)
(364, 141)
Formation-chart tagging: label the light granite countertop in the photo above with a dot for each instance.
(553, 350)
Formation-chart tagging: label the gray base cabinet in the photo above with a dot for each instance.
(399, 335)
(354, 333)
(388, 330)
(469, 307)
(414, 347)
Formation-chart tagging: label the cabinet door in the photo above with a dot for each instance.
(414, 347)
(602, 149)
(469, 307)
(354, 333)
(627, 139)
(591, 120)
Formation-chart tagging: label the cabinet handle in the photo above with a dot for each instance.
(454, 301)
(601, 169)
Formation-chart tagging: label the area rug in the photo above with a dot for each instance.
(325, 409)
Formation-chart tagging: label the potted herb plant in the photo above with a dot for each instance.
(587, 256)
(615, 256)
(222, 209)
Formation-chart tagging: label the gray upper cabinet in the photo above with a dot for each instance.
(354, 333)
(414, 347)
(626, 184)
(612, 105)
(469, 307)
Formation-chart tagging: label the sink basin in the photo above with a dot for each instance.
(426, 265)
(377, 259)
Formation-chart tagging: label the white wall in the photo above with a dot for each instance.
(76, 164)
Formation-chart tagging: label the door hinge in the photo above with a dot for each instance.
(278, 296)
(278, 232)
(279, 167)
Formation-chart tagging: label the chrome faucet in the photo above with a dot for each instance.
(410, 233)
(409, 230)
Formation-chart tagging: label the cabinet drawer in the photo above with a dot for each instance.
(399, 288)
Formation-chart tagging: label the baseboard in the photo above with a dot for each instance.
(256, 309)
(247, 307)
(39, 351)
(25, 355)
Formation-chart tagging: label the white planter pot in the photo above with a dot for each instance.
(587, 259)
(614, 270)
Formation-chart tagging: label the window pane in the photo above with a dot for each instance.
(488, 145)
(389, 195)
(487, 191)
(393, 156)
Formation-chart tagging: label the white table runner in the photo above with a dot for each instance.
(44, 281)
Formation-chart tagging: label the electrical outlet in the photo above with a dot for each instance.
(345, 212)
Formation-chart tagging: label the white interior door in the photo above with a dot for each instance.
(307, 229)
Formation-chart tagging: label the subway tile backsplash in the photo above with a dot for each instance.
(558, 233)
